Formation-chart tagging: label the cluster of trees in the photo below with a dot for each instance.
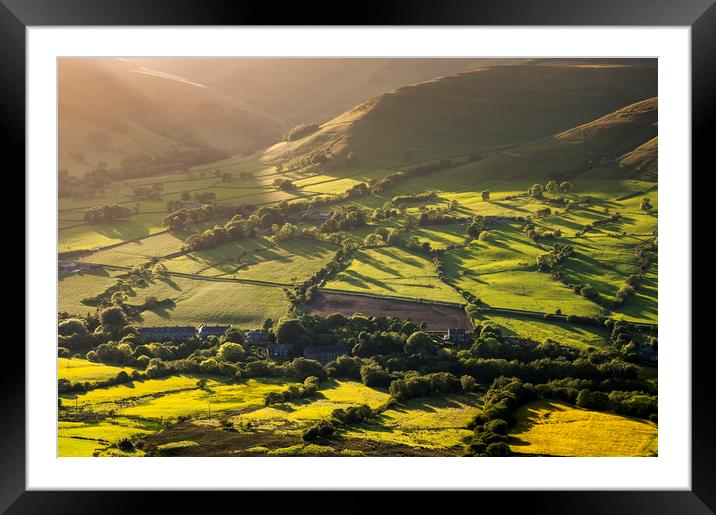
(293, 392)
(537, 234)
(553, 257)
(436, 216)
(345, 219)
(597, 223)
(490, 425)
(415, 385)
(537, 190)
(144, 193)
(414, 197)
(239, 227)
(107, 213)
(183, 217)
(176, 158)
(303, 293)
(387, 182)
(284, 184)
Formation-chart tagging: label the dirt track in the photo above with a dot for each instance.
(438, 318)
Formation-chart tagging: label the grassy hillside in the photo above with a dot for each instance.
(109, 109)
(558, 429)
(487, 108)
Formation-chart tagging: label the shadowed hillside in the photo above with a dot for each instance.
(475, 111)
(620, 145)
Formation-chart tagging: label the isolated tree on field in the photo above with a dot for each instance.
(473, 230)
(552, 187)
(565, 186)
(535, 191)
(485, 195)
(646, 205)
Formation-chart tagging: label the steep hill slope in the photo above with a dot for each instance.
(110, 108)
(488, 108)
(619, 145)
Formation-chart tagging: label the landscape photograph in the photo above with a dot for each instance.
(348, 257)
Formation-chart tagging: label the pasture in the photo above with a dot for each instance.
(393, 271)
(436, 422)
(212, 302)
(81, 370)
(556, 429)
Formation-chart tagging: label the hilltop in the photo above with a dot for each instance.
(487, 108)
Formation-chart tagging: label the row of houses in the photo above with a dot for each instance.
(179, 333)
(323, 353)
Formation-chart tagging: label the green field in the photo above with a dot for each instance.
(80, 370)
(73, 288)
(393, 271)
(258, 258)
(558, 429)
(332, 395)
(212, 302)
(433, 423)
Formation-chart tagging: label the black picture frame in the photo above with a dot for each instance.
(700, 15)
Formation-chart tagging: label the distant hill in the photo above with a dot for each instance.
(109, 109)
(309, 90)
(484, 109)
(619, 145)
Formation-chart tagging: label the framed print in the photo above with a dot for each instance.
(421, 252)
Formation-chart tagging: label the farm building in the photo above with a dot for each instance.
(457, 335)
(162, 334)
(278, 350)
(74, 267)
(256, 337)
(326, 353)
(214, 330)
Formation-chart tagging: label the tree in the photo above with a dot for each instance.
(645, 205)
(289, 330)
(373, 374)
(186, 196)
(113, 317)
(71, 326)
(498, 449)
(419, 343)
(234, 335)
(231, 351)
(565, 186)
(535, 191)
(485, 195)
(552, 187)
(467, 383)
